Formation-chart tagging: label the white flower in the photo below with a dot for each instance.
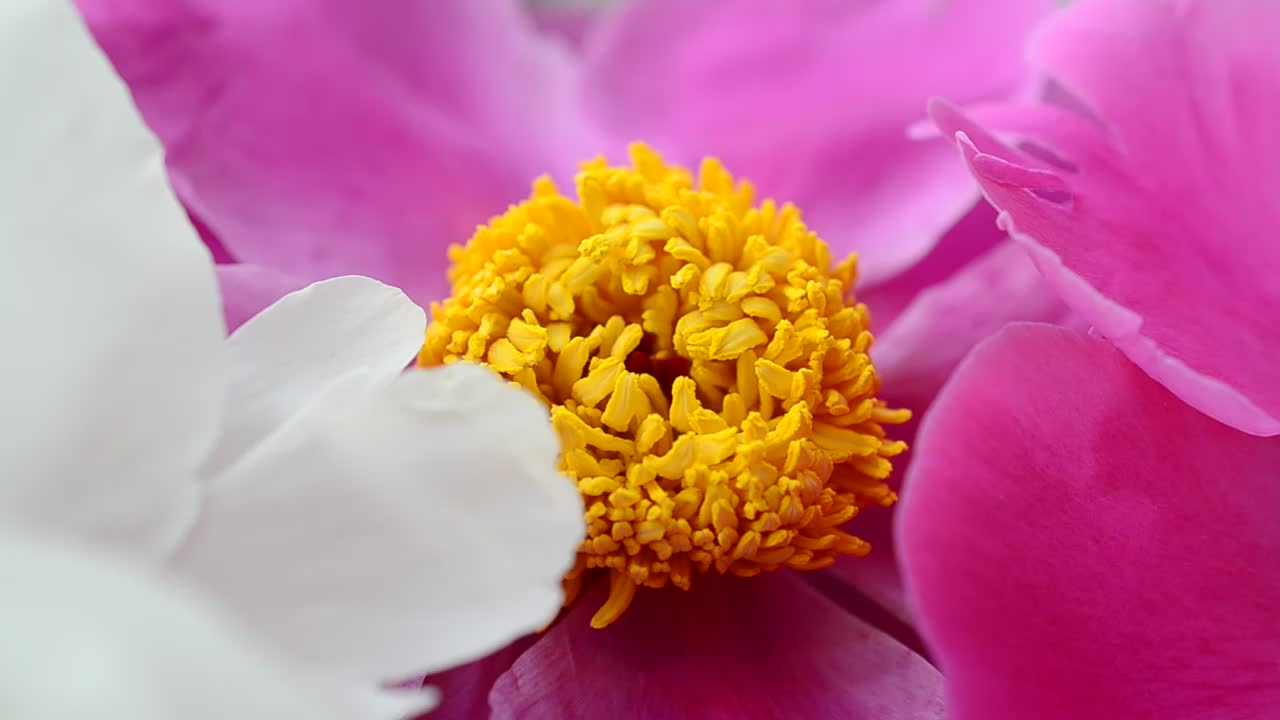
(286, 499)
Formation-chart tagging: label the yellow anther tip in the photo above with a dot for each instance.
(705, 367)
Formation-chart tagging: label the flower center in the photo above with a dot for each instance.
(704, 364)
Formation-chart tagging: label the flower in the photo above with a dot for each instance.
(388, 131)
(1102, 541)
(279, 482)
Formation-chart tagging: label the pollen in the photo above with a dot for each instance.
(702, 359)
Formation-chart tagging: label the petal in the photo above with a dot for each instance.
(286, 356)
(85, 636)
(1092, 547)
(813, 105)
(112, 378)
(1152, 231)
(570, 23)
(323, 138)
(917, 354)
(395, 528)
(964, 242)
(464, 690)
(248, 289)
(768, 647)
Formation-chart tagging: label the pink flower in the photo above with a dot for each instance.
(323, 137)
(1096, 545)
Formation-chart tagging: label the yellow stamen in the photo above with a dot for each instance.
(704, 363)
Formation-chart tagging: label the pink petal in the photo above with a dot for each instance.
(324, 138)
(877, 576)
(768, 647)
(571, 24)
(249, 289)
(1078, 544)
(917, 354)
(464, 690)
(965, 241)
(813, 105)
(1151, 228)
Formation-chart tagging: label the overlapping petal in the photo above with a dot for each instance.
(86, 204)
(288, 355)
(464, 690)
(249, 289)
(1078, 543)
(812, 102)
(376, 135)
(920, 350)
(1152, 225)
(394, 527)
(89, 636)
(770, 647)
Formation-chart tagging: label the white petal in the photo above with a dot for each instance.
(111, 376)
(284, 356)
(395, 528)
(87, 637)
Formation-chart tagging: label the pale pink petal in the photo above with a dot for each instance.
(812, 102)
(1153, 227)
(767, 647)
(248, 289)
(325, 137)
(1079, 544)
(287, 355)
(394, 528)
(112, 382)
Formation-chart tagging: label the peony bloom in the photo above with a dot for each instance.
(1102, 541)
(285, 500)
(313, 138)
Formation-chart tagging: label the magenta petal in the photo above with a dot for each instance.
(769, 647)
(1154, 227)
(464, 690)
(248, 289)
(326, 137)
(812, 101)
(569, 23)
(918, 352)
(965, 241)
(877, 575)
(1078, 544)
